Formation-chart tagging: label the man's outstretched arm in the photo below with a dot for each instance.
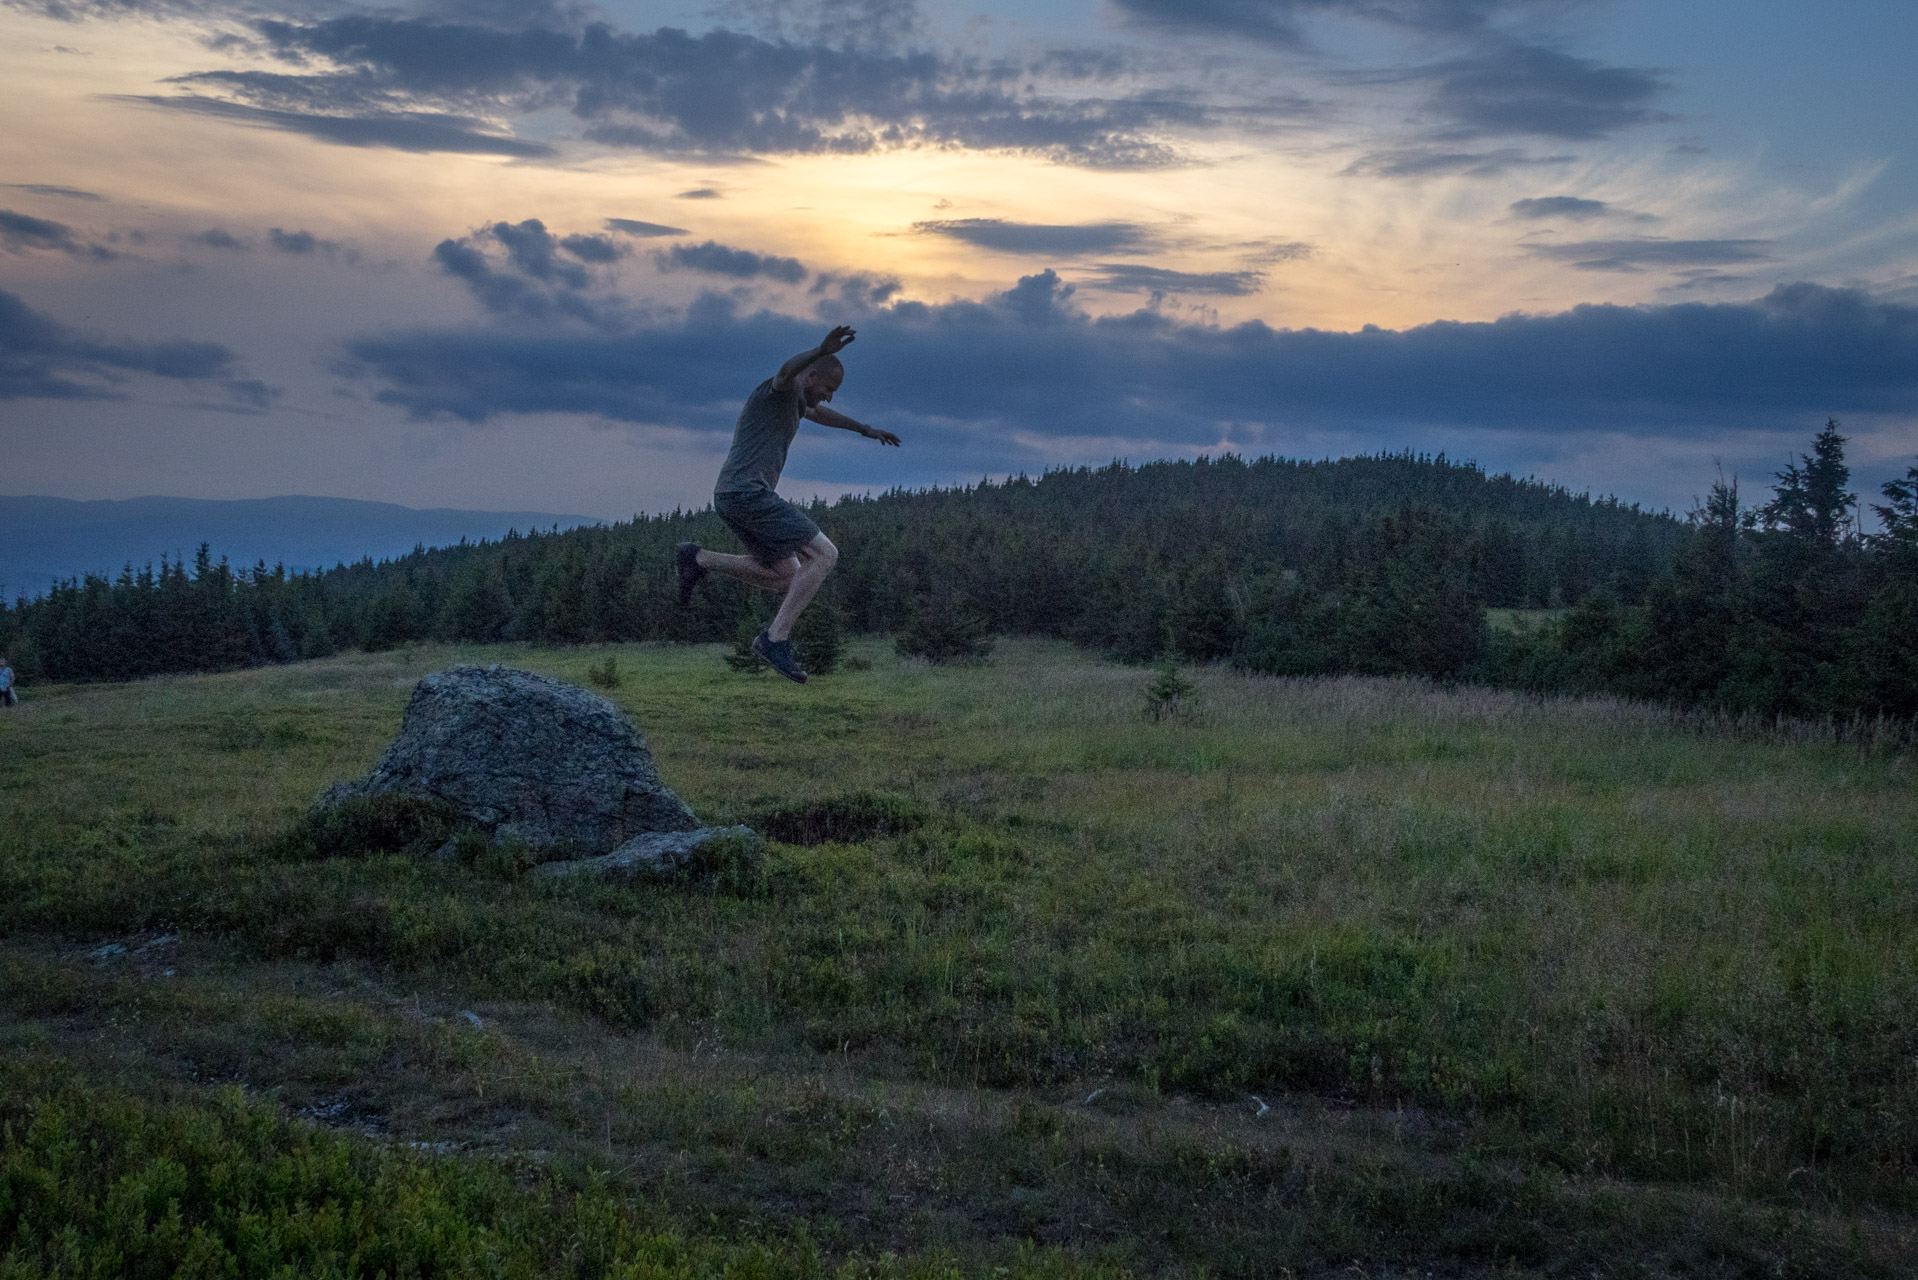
(835, 343)
(826, 416)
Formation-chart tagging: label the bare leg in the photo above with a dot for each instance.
(816, 560)
(774, 577)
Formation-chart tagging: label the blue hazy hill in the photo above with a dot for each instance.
(44, 540)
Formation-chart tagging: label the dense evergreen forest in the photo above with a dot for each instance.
(1381, 565)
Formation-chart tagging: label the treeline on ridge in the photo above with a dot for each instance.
(1114, 558)
(1380, 565)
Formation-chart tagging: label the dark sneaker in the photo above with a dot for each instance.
(686, 557)
(779, 655)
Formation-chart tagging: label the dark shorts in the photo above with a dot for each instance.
(772, 528)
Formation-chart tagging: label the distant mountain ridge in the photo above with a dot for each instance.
(47, 540)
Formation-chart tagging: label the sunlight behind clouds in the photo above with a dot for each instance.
(292, 189)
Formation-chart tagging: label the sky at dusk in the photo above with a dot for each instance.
(482, 254)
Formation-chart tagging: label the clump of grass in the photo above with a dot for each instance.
(843, 819)
(732, 864)
(605, 675)
(394, 823)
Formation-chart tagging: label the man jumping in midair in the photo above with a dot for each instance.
(785, 550)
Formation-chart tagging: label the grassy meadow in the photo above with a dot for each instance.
(1365, 977)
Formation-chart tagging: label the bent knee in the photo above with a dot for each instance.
(822, 550)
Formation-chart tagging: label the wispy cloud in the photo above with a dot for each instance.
(1432, 162)
(369, 80)
(1115, 277)
(23, 233)
(422, 131)
(1571, 209)
(1283, 21)
(41, 358)
(1638, 254)
(47, 189)
(643, 230)
(1040, 238)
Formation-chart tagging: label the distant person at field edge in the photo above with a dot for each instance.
(785, 550)
(7, 696)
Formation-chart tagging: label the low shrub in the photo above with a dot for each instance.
(98, 1184)
(944, 629)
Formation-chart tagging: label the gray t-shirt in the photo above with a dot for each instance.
(764, 432)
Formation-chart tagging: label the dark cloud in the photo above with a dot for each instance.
(23, 233)
(1280, 21)
(721, 260)
(215, 238)
(300, 242)
(1128, 278)
(1513, 88)
(401, 130)
(39, 357)
(594, 249)
(644, 230)
(1423, 162)
(698, 193)
(535, 252)
(541, 275)
(860, 24)
(43, 189)
(854, 291)
(1636, 255)
(20, 232)
(972, 376)
(1043, 239)
(384, 81)
(1572, 209)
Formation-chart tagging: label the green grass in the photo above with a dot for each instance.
(1538, 987)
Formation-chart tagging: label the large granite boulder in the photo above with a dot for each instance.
(527, 760)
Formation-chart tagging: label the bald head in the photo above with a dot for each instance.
(821, 378)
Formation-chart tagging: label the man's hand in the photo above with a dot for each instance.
(835, 342)
(883, 437)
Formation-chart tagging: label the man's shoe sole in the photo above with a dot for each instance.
(767, 659)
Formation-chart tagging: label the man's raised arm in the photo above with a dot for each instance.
(835, 343)
(830, 417)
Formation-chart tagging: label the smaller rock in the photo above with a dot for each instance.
(654, 855)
